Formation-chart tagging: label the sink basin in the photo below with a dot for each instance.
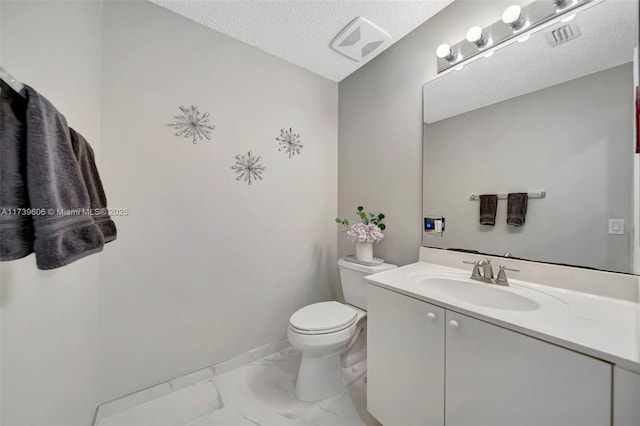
(481, 294)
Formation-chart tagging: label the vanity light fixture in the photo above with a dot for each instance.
(477, 37)
(444, 52)
(524, 38)
(517, 25)
(513, 16)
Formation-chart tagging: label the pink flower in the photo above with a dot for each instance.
(362, 233)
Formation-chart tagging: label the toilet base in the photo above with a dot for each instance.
(356, 371)
(319, 377)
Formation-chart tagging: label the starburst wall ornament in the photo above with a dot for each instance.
(192, 123)
(290, 142)
(248, 167)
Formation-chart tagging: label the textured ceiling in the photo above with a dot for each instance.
(609, 34)
(301, 31)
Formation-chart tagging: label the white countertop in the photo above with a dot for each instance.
(603, 327)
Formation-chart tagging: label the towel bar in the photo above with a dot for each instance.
(503, 195)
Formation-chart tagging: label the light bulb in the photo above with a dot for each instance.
(513, 16)
(475, 36)
(444, 52)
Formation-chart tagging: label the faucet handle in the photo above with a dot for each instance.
(476, 268)
(504, 268)
(502, 275)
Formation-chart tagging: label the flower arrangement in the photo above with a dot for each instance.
(367, 231)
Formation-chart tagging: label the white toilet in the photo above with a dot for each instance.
(324, 331)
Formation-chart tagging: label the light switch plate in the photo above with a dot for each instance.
(616, 226)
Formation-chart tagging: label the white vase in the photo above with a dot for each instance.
(364, 252)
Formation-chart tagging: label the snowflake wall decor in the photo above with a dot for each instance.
(192, 123)
(248, 167)
(290, 142)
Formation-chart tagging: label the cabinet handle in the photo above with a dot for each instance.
(431, 315)
(454, 323)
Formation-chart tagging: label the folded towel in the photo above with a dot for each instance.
(55, 183)
(50, 189)
(93, 184)
(516, 208)
(488, 208)
(16, 230)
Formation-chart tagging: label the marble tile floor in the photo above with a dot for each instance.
(258, 393)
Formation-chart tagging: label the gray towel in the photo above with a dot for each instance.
(53, 173)
(16, 230)
(93, 184)
(516, 208)
(488, 208)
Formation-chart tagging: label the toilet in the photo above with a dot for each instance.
(324, 331)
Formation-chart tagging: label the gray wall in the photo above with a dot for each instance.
(573, 140)
(380, 128)
(205, 266)
(50, 318)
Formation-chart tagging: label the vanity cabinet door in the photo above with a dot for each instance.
(626, 398)
(405, 359)
(497, 377)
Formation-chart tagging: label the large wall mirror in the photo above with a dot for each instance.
(537, 117)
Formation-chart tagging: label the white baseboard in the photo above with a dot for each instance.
(123, 403)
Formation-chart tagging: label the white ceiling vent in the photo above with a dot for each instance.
(360, 39)
(563, 33)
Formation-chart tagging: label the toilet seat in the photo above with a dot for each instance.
(323, 318)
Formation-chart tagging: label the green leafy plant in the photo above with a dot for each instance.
(370, 218)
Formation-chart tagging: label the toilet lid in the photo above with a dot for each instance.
(323, 316)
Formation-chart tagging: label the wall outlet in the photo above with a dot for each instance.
(616, 226)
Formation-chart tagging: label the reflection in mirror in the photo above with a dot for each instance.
(535, 117)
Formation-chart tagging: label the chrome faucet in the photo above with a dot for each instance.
(487, 272)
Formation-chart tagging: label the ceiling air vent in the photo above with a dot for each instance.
(360, 39)
(563, 33)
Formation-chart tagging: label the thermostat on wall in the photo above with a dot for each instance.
(434, 224)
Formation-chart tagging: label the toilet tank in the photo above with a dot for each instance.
(354, 286)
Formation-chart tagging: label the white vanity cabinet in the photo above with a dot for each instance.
(498, 377)
(626, 398)
(405, 359)
(454, 370)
